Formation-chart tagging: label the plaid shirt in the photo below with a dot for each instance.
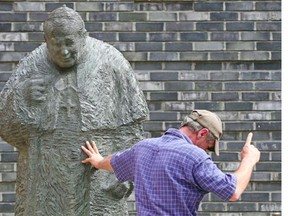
(171, 175)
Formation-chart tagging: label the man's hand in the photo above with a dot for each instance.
(250, 152)
(94, 157)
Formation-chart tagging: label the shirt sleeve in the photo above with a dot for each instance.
(211, 179)
(123, 165)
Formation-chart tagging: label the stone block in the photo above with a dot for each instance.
(7, 207)
(135, 56)
(177, 65)
(268, 86)
(255, 96)
(5, 27)
(221, 56)
(105, 36)
(118, 26)
(153, 126)
(268, 46)
(254, 55)
(166, 96)
(208, 66)
(225, 96)
(163, 116)
(37, 16)
(243, 207)
(225, 36)
(100, 17)
(13, 36)
(148, 46)
(53, 5)
(28, 26)
(208, 86)
(149, 6)
(210, 45)
(208, 6)
(267, 105)
(119, 6)
(93, 26)
(195, 16)
(276, 65)
(162, 16)
(180, 26)
(146, 27)
(212, 106)
(215, 26)
(148, 66)
(255, 75)
(163, 56)
(29, 6)
(178, 86)
(179, 6)
(268, 6)
(240, 26)
(6, 6)
(161, 37)
(8, 197)
(194, 96)
(152, 86)
(238, 106)
(163, 76)
(224, 75)
(26, 47)
(132, 17)
(135, 36)
(197, 36)
(217, 16)
(268, 126)
(13, 17)
(89, 6)
(194, 56)
(239, 6)
(268, 26)
(267, 186)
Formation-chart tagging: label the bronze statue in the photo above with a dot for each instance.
(70, 89)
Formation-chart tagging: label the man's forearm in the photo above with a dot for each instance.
(243, 176)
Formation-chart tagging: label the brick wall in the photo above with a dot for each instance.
(224, 56)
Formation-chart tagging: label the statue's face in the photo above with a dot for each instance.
(64, 50)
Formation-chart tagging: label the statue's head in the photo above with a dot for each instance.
(65, 35)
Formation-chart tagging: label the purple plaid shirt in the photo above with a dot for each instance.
(171, 175)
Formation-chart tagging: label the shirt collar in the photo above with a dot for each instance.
(178, 133)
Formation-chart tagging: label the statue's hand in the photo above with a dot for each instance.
(35, 89)
(116, 189)
(120, 190)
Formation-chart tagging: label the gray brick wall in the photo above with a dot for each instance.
(219, 55)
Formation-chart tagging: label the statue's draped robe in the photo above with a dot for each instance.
(98, 99)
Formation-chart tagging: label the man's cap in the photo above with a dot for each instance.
(207, 120)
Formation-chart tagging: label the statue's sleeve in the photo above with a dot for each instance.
(133, 103)
(12, 130)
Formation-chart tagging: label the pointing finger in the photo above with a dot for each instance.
(249, 138)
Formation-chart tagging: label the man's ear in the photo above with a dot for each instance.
(203, 132)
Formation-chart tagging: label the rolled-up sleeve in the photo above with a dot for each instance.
(123, 165)
(211, 179)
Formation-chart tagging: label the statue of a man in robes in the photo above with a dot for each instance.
(70, 89)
